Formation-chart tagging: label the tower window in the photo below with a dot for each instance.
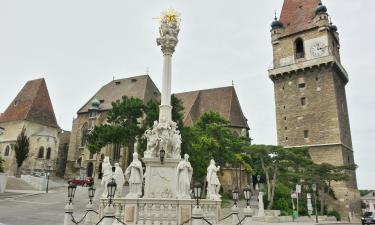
(303, 101)
(285, 118)
(286, 128)
(286, 138)
(299, 48)
(306, 134)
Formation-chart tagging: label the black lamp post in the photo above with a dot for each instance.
(91, 193)
(247, 195)
(111, 187)
(162, 155)
(314, 187)
(71, 191)
(197, 190)
(235, 196)
(47, 175)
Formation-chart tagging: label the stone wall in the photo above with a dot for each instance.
(40, 136)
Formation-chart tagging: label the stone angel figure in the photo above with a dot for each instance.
(134, 175)
(213, 183)
(184, 176)
(107, 175)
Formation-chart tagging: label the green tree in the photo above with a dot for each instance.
(210, 138)
(279, 163)
(124, 125)
(21, 149)
(323, 175)
(127, 121)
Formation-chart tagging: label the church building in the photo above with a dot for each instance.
(80, 161)
(31, 109)
(309, 84)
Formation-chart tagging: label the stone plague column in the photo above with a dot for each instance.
(169, 29)
(164, 139)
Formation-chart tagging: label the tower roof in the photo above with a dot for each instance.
(32, 104)
(298, 15)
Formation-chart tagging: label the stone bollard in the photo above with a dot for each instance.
(235, 212)
(261, 205)
(68, 214)
(91, 217)
(247, 212)
(109, 215)
(197, 216)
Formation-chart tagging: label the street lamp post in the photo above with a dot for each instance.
(71, 192)
(91, 193)
(247, 195)
(69, 206)
(111, 186)
(314, 187)
(47, 175)
(197, 191)
(235, 196)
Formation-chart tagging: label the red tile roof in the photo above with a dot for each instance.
(222, 100)
(33, 104)
(141, 87)
(298, 15)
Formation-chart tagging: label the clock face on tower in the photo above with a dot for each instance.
(318, 49)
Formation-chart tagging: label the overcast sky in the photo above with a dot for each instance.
(78, 46)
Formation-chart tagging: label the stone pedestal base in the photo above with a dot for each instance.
(165, 113)
(160, 179)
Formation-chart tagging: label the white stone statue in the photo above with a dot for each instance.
(134, 175)
(260, 205)
(213, 183)
(184, 176)
(163, 135)
(107, 175)
(119, 178)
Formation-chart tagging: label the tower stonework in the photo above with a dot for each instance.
(309, 85)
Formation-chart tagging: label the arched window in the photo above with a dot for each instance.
(84, 132)
(41, 152)
(7, 150)
(48, 155)
(299, 48)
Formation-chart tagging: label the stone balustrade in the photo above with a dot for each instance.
(146, 211)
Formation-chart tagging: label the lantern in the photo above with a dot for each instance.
(235, 196)
(247, 195)
(111, 187)
(91, 193)
(162, 155)
(71, 191)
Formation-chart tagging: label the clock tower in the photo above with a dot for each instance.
(309, 85)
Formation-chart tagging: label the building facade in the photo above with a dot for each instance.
(94, 112)
(31, 109)
(309, 85)
(223, 100)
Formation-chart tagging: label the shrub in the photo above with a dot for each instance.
(282, 205)
(335, 214)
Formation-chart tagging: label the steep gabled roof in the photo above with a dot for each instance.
(141, 87)
(32, 104)
(298, 15)
(222, 100)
